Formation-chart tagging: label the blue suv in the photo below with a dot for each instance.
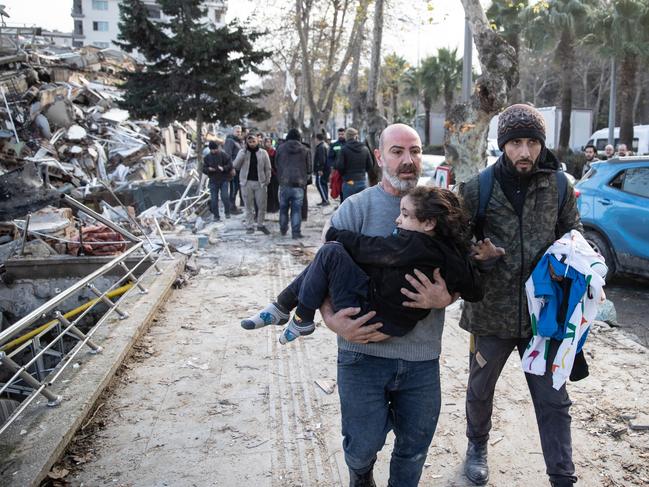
(613, 199)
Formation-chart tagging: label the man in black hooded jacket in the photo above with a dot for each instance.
(353, 163)
(293, 162)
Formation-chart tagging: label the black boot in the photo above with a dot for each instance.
(562, 483)
(364, 480)
(476, 468)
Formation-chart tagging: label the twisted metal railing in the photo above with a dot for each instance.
(36, 357)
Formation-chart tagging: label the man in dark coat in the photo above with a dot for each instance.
(523, 217)
(321, 169)
(353, 163)
(217, 165)
(232, 146)
(293, 171)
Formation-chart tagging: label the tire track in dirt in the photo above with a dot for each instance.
(301, 455)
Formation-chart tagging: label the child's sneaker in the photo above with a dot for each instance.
(270, 315)
(295, 329)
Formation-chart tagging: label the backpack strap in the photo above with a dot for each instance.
(562, 192)
(562, 189)
(485, 188)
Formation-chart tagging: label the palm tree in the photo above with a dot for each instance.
(424, 82)
(504, 16)
(394, 68)
(556, 24)
(450, 71)
(621, 31)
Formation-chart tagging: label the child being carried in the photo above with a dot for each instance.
(364, 272)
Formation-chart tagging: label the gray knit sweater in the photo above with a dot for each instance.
(373, 212)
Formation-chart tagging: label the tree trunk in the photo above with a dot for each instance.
(321, 99)
(628, 71)
(566, 54)
(374, 121)
(354, 95)
(600, 98)
(465, 135)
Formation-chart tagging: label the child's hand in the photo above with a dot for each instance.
(484, 250)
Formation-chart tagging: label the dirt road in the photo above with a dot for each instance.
(203, 402)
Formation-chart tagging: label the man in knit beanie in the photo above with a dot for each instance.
(522, 218)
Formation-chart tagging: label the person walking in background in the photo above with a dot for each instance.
(217, 165)
(332, 156)
(232, 146)
(353, 163)
(253, 164)
(272, 205)
(609, 151)
(622, 150)
(293, 170)
(321, 169)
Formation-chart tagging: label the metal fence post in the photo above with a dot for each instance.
(52, 399)
(122, 314)
(94, 348)
(142, 289)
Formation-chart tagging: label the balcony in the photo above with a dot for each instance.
(77, 13)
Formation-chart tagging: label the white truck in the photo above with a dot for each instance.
(640, 144)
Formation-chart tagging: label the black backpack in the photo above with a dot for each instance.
(486, 186)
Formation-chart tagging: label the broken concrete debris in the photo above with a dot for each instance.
(62, 132)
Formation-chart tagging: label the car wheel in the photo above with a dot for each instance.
(600, 245)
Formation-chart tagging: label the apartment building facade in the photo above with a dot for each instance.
(96, 21)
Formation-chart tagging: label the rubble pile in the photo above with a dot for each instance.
(71, 127)
(61, 131)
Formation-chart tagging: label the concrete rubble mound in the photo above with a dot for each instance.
(62, 132)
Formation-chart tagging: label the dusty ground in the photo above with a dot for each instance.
(204, 402)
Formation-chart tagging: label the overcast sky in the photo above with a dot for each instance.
(410, 42)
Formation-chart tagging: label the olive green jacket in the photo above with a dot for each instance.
(503, 311)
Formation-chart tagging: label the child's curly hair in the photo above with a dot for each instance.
(446, 208)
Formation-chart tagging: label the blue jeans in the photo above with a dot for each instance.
(351, 187)
(380, 394)
(215, 188)
(290, 198)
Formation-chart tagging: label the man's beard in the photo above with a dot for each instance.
(521, 174)
(403, 185)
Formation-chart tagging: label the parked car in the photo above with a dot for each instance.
(429, 163)
(613, 200)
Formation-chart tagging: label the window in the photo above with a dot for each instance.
(100, 26)
(618, 180)
(77, 8)
(636, 181)
(153, 12)
(602, 143)
(100, 4)
(78, 27)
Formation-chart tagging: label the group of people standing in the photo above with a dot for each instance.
(269, 179)
(266, 179)
(590, 153)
